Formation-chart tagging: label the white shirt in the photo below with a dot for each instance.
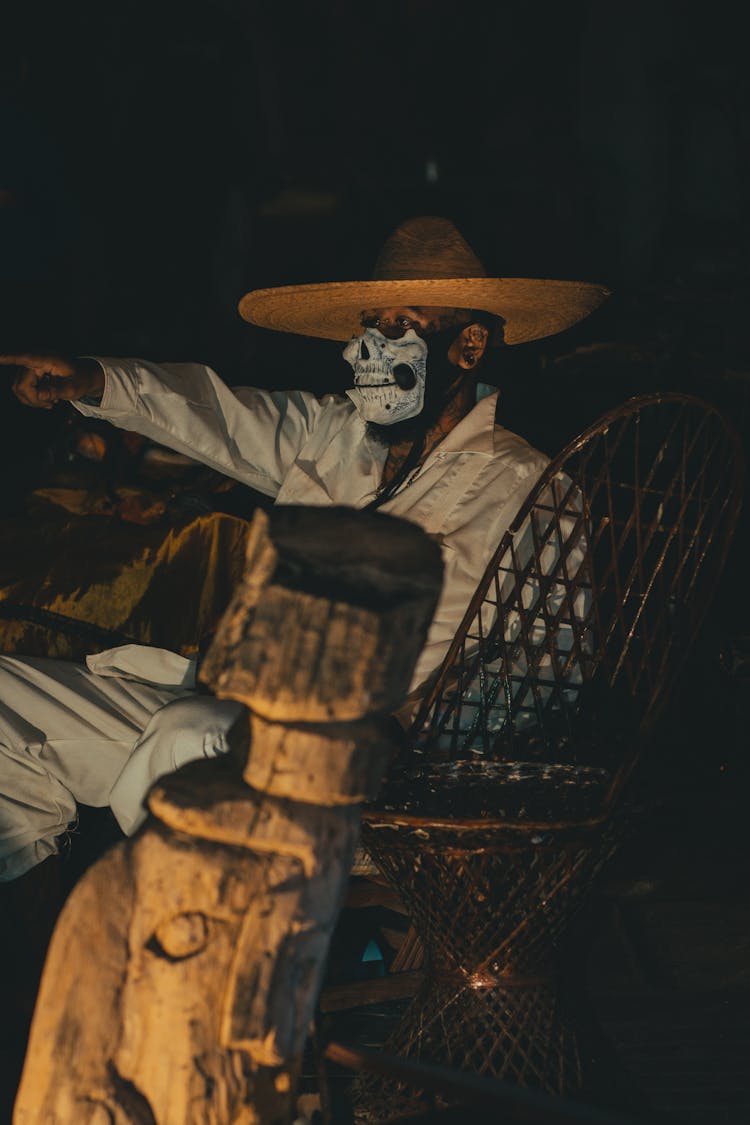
(299, 449)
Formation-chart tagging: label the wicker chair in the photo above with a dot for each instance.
(508, 802)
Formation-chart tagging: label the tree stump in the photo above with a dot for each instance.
(183, 973)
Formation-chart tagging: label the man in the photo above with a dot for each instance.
(409, 437)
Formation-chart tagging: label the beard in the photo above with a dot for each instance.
(441, 383)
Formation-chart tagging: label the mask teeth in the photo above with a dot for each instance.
(372, 370)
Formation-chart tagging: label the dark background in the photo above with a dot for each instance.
(159, 159)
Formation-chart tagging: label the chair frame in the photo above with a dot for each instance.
(420, 853)
(424, 725)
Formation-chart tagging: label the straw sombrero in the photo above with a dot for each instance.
(426, 262)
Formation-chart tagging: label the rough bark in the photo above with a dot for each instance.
(326, 627)
(183, 973)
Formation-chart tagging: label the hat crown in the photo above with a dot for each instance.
(426, 247)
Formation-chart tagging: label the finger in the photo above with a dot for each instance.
(22, 383)
(62, 390)
(54, 364)
(16, 360)
(30, 400)
(29, 390)
(49, 387)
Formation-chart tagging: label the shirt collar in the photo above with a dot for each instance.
(475, 433)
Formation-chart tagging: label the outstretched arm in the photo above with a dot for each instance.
(44, 380)
(249, 434)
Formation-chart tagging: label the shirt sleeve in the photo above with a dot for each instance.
(251, 435)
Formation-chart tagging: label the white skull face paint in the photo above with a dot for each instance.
(389, 375)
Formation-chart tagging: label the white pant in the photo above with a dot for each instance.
(68, 735)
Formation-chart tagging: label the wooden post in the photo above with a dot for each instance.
(183, 973)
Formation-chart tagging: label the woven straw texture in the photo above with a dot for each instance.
(426, 263)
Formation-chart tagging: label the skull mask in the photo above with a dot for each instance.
(389, 375)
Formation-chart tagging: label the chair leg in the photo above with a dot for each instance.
(515, 1034)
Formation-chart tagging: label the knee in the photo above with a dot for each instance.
(181, 731)
(191, 727)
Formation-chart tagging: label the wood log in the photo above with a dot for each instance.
(128, 1024)
(326, 627)
(207, 801)
(336, 764)
(183, 973)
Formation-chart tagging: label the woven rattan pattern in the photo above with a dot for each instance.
(514, 1035)
(603, 579)
(490, 909)
(490, 912)
(564, 659)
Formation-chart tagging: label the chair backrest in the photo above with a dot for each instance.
(588, 607)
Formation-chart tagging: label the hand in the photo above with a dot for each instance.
(47, 379)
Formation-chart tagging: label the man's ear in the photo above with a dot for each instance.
(469, 346)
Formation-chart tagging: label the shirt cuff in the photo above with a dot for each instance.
(120, 392)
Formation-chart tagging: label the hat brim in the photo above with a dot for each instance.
(531, 308)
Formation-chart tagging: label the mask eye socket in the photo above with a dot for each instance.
(402, 323)
(404, 376)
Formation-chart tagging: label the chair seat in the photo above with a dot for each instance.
(509, 791)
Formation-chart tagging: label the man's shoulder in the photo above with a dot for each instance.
(507, 477)
(511, 449)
